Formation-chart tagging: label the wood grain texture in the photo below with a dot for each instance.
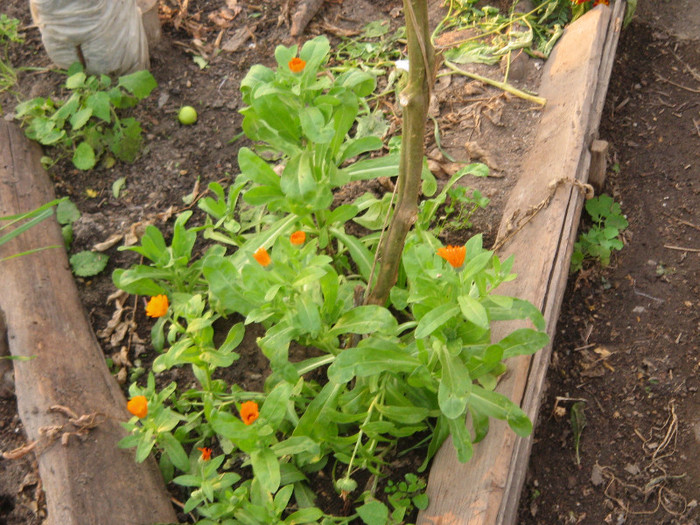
(486, 490)
(87, 481)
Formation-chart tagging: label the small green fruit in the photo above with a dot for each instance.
(187, 115)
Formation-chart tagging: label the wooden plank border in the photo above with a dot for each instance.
(486, 490)
(86, 478)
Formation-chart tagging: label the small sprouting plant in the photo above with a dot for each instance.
(460, 208)
(406, 495)
(9, 34)
(89, 125)
(604, 236)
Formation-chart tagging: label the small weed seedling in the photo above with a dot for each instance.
(603, 237)
(9, 34)
(405, 496)
(88, 125)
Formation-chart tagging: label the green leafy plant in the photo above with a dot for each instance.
(89, 125)
(280, 256)
(405, 496)
(603, 237)
(9, 34)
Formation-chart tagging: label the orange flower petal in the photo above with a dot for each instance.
(297, 238)
(297, 65)
(453, 255)
(206, 453)
(157, 306)
(249, 412)
(138, 406)
(262, 256)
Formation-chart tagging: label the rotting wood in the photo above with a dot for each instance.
(599, 165)
(306, 10)
(88, 480)
(486, 490)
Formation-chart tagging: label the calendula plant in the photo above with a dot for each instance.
(90, 125)
(404, 353)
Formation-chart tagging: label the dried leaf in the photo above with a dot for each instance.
(112, 240)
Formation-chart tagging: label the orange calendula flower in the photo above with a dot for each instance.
(206, 453)
(297, 238)
(138, 406)
(249, 412)
(262, 256)
(453, 255)
(604, 2)
(157, 306)
(297, 65)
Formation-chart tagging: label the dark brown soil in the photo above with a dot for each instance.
(628, 337)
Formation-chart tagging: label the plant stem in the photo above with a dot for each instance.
(495, 83)
(414, 100)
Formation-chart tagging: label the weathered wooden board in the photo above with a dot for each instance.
(486, 490)
(87, 480)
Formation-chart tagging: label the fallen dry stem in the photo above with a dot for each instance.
(500, 85)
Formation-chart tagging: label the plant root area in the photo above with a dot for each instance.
(628, 339)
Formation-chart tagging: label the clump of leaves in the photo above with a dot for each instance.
(9, 34)
(406, 495)
(89, 125)
(604, 236)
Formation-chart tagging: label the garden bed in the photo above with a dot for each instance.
(501, 132)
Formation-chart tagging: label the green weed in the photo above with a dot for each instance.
(89, 125)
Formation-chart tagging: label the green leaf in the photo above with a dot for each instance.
(523, 341)
(67, 212)
(266, 469)
(460, 439)
(477, 169)
(99, 103)
(76, 81)
(366, 361)
(79, 119)
(314, 125)
(387, 166)
(473, 311)
(295, 445)
(307, 515)
(256, 169)
(434, 319)
(140, 84)
(365, 319)
(374, 513)
(358, 146)
(84, 157)
(498, 406)
(360, 254)
(87, 264)
(455, 386)
(173, 448)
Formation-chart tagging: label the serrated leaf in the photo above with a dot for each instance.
(140, 84)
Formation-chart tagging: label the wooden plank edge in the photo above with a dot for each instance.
(536, 378)
(480, 513)
(87, 479)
